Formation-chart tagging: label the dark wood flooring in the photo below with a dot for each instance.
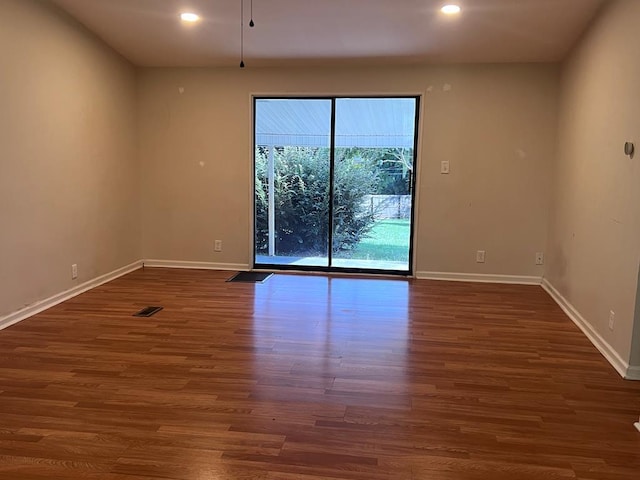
(310, 377)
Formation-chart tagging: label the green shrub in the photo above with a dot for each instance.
(302, 200)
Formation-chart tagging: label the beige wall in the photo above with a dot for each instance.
(495, 124)
(68, 168)
(594, 242)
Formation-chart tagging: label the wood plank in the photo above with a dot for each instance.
(310, 377)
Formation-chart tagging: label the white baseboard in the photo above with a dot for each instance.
(633, 373)
(42, 305)
(479, 277)
(622, 367)
(196, 265)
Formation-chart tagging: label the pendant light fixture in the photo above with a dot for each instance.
(251, 23)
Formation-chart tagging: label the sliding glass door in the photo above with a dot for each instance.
(334, 183)
(292, 182)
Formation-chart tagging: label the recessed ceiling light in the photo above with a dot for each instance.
(189, 17)
(450, 9)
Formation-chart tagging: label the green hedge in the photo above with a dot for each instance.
(302, 200)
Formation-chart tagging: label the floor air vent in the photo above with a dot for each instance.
(147, 311)
(250, 277)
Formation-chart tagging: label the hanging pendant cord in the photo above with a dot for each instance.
(241, 33)
(251, 23)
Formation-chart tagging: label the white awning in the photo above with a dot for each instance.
(360, 122)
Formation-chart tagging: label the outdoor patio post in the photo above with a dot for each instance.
(272, 202)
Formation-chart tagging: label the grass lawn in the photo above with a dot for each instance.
(387, 240)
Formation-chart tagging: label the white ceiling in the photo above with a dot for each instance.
(304, 32)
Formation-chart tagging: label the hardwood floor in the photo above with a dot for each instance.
(310, 377)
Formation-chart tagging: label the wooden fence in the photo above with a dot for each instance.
(388, 206)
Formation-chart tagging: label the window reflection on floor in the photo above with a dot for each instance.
(351, 333)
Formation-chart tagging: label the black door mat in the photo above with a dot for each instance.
(250, 277)
(147, 311)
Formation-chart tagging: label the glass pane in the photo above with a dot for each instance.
(292, 167)
(372, 197)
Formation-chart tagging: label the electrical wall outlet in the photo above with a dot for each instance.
(539, 258)
(217, 246)
(480, 256)
(444, 167)
(612, 319)
(74, 271)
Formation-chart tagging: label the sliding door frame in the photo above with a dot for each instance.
(413, 182)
